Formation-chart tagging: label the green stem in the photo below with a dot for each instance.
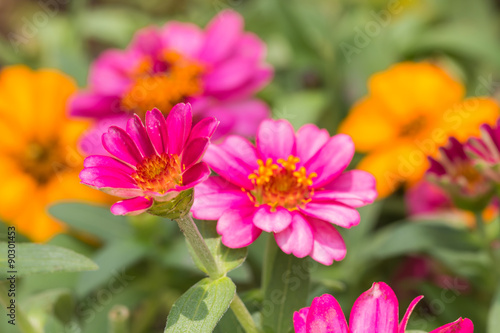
(243, 315)
(22, 320)
(481, 228)
(200, 248)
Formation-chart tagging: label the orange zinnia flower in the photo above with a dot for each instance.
(411, 110)
(39, 163)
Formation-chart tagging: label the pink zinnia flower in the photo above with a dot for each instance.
(485, 151)
(292, 185)
(151, 163)
(217, 70)
(375, 311)
(454, 171)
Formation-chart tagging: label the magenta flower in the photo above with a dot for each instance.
(217, 70)
(485, 151)
(292, 185)
(454, 171)
(375, 311)
(151, 163)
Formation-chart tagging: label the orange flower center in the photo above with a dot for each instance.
(281, 184)
(159, 173)
(414, 127)
(163, 83)
(468, 176)
(43, 161)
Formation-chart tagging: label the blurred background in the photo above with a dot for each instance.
(323, 53)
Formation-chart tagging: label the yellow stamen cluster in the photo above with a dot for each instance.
(158, 173)
(281, 184)
(163, 89)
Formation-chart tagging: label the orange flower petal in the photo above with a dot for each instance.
(412, 88)
(368, 125)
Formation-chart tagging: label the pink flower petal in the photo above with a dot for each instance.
(228, 75)
(92, 104)
(335, 213)
(91, 140)
(353, 188)
(299, 320)
(459, 326)
(138, 133)
(261, 77)
(275, 139)
(328, 245)
(375, 311)
(205, 128)
(106, 161)
(118, 143)
(297, 239)
(157, 130)
(331, 159)
(214, 196)
(310, 139)
(250, 47)
(179, 122)
(92, 176)
(221, 36)
(237, 228)
(194, 152)
(185, 38)
(147, 41)
(404, 322)
(110, 73)
(241, 117)
(234, 159)
(132, 206)
(325, 316)
(195, 175)
(270, 221)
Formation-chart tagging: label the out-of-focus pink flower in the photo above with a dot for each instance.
(375, 311)
(427, 198)
(218, 70)
(151, 163)
(290, 184)
(454, 172)
(485, 151)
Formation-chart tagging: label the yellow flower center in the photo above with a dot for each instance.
(414, 127)
(163, 84)
(44, 161)
(281, 184)
(158, 173)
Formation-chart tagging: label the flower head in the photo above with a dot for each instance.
(485, 151)
(410, 111)
(454, 171)
(375, 311)
(217, 70)
(39, 161)
(290, 184)
(153, 166)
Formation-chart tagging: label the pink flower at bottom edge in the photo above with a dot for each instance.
(375, 311)
(151, 162)
(290, 184)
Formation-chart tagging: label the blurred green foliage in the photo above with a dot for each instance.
(323, 52)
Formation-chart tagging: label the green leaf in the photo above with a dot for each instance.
(226, 258)
(419, 236)
(494, 313)
(52, 305)
(201, 307)
(96, 220)
(285, 287)
(38, 258)
(300, 108)
(112, 260)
